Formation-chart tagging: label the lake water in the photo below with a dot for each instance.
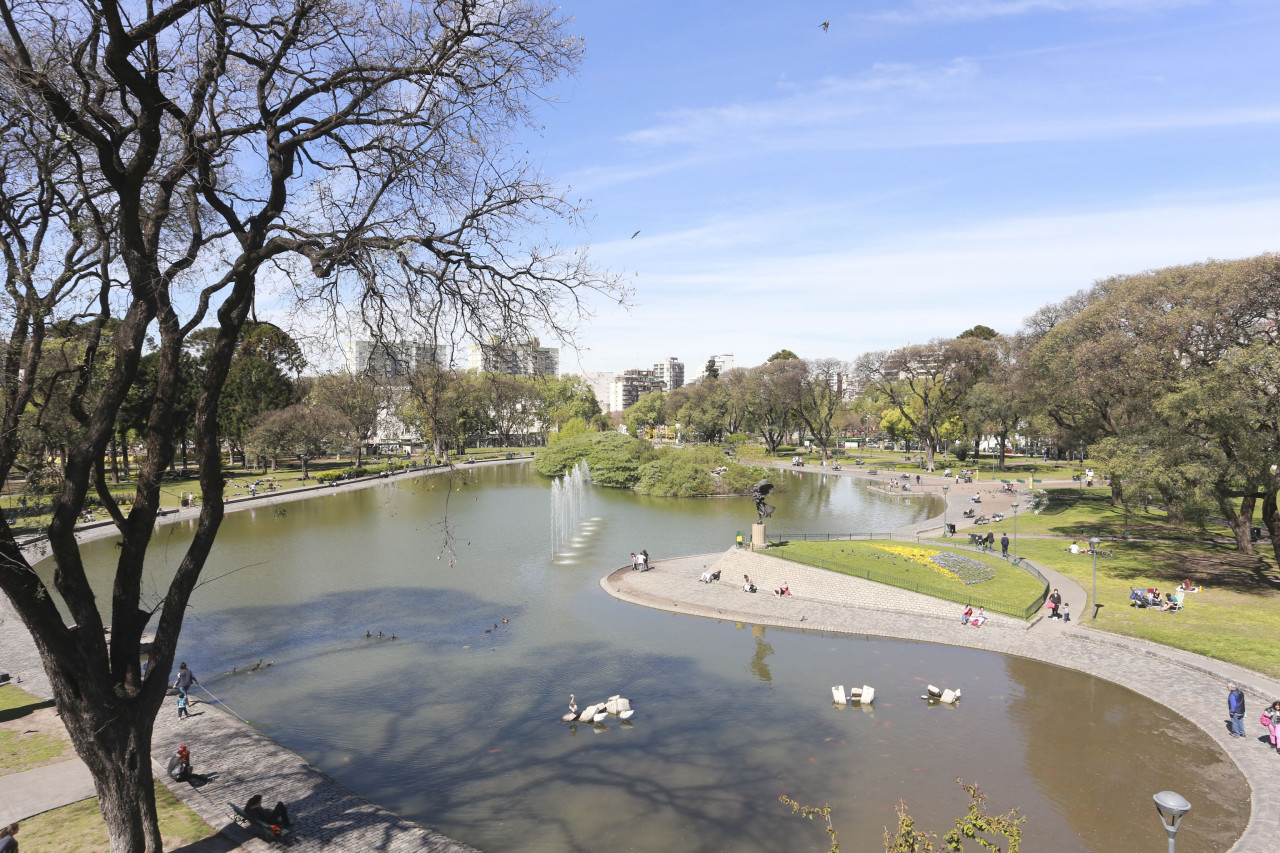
(455, 722)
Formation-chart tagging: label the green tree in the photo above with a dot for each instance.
(645, 413)
(358, 398)
(711, 371)
(782, 355)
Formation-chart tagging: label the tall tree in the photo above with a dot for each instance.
(821, 401)
(362, 148)
(926, 383)
(358, 398)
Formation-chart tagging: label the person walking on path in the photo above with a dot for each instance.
(1235, 707)
(1004, 544)
(1271, 717)
(182, 706)
(185, 679)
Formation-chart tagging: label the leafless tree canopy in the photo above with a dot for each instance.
(162, 165)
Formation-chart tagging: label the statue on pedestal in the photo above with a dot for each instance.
(760, 491)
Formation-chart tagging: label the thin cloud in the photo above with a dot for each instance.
(957, 11)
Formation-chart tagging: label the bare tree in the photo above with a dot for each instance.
(821, 399)
(358, 148)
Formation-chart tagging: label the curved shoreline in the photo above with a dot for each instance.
(239, 759)
(1191, 685)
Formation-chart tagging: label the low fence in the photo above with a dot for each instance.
(948, 593)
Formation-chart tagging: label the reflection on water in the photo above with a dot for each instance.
(456, 722)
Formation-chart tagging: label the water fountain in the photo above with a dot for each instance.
(568, 497)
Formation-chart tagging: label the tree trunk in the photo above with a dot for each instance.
(1241, 521)
(1001, 437)
(115, 465)
(113, 737)
(359, 453)
(1173, 507)
(303, 458)
(1117, 491)
(1271, 518)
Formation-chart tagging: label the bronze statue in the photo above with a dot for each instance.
(760, 491)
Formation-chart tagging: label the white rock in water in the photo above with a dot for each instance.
(612, 705)
(624, 705)
(868, 695)
(837, 694)
(588, 713)
(948, 696)
(933, 691)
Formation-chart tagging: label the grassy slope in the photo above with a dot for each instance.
(1011, 590)
(79, 828)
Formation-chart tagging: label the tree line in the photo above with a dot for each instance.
(1169, 380)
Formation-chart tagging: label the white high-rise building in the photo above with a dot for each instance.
(389, 360)
(671, 372)
(629, 385)
(722, 362)
(601, 383)
(528, 358)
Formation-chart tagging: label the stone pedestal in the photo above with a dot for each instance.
(757, 536)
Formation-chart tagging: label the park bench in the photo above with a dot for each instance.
(280, 834)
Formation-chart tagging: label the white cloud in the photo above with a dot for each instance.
(915, 286)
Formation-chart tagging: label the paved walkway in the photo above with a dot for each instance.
(1189, 684)
(33, 792)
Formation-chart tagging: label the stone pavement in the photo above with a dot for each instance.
(1189, 684)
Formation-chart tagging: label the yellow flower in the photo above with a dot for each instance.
(918, 555)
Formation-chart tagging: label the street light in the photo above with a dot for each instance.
(1015, 531)
(1094, 542)
(1172, 807)
(946, 531)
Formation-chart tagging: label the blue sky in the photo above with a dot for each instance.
(919, 167)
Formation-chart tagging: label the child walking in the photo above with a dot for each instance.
(182, 706)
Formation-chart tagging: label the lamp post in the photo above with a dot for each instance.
(1172, 808)
(1094, 542)
(1015, 531)
(946, 531)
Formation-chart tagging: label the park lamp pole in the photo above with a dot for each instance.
(1172, 808)
(946, 531)
(1015, 531)
(1094, 542)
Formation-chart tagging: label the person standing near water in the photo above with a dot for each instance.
(185, 679)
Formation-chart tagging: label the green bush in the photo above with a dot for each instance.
(786, 449)
(687, 472)
(614, 458)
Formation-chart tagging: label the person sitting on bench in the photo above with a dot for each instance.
(278, 816)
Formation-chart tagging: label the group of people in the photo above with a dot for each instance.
(182, 684)
(968, 617)
(1270, 718)
(640, 561)
(1152, 597)
(1058, 609)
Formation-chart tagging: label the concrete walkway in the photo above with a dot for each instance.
(34, 792)
(1189, 684)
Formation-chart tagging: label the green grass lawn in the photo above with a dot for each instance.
(21, 749)
(288, 476)
(1081, 513)
(1234, 618)
(79, 828)
(1010, 590)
